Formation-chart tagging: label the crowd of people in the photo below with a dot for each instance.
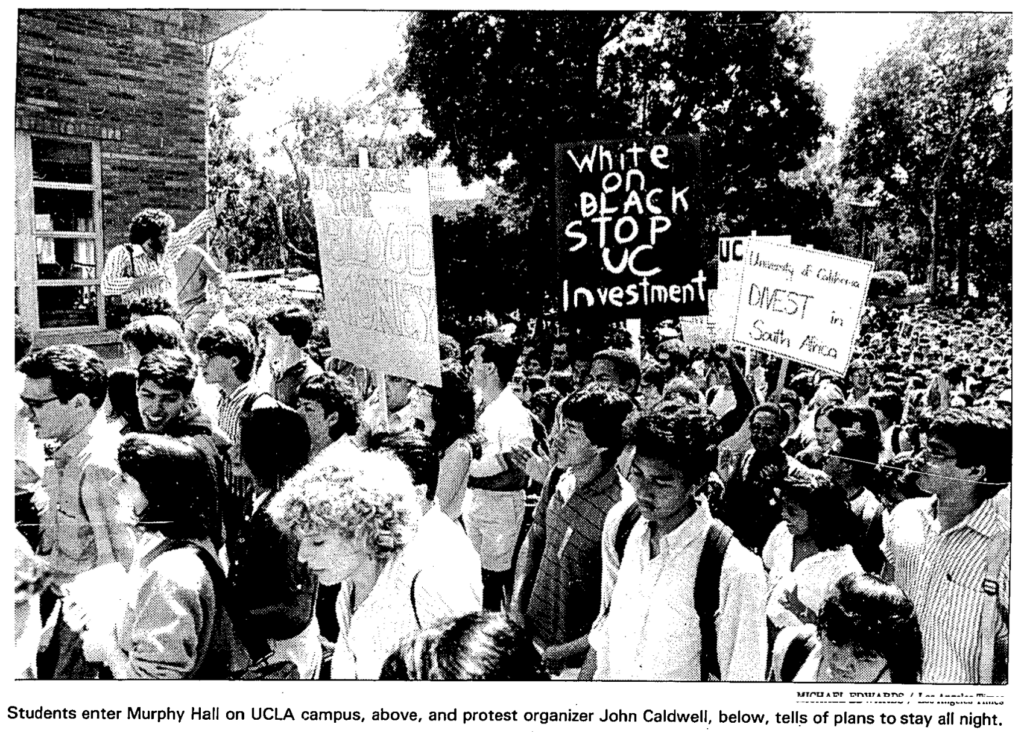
(225, 503)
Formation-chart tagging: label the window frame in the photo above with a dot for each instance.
(27, 285)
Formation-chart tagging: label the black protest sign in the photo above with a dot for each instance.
(631, 233)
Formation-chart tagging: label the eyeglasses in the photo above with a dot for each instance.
(36, 404)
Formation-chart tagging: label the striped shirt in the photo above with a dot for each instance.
(126, 263)
(566, 596)
(942, 572)
(231, 408)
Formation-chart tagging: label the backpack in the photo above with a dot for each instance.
(705, 589)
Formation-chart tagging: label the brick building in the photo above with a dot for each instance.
(110, 118)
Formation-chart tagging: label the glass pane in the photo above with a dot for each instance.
(65, 258)
(59, 160)
(63, 211)
(74, 305)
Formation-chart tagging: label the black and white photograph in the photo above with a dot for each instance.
(514, 345)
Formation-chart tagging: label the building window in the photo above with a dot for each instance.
(59, 257)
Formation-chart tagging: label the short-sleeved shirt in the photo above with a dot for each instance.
(942, 572)
(566, 596)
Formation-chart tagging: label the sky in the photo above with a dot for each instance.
(332, 54)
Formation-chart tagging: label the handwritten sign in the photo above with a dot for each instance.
(377, 259)
(631, 232)
(801, 304)
(722, 303)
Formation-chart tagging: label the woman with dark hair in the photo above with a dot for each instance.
(826, 430)
(273, 593)
(867, 631)
(175, 625)
(809, 550)
(452, 411)
(479, 646)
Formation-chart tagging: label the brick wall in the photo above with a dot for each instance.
(135, 81)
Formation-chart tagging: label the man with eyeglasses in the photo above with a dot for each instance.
(949, 552)
(64, 389)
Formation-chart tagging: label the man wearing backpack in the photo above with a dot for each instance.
(689, 601)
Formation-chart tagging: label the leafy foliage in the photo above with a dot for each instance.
(930, 143)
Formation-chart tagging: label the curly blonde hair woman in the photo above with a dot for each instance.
(358, 525)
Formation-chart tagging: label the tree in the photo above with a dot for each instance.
(500, 89)
(926, 131)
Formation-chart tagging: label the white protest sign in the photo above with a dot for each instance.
(801, 304)
(722, 301)
(377, 259)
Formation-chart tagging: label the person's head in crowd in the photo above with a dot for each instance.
(683, 388)
(329, 406)
(860, 419)
(351, 517)
(398, 391)
(675, 451)
(769, 426)
(274, 442)
(494, 361)
(167, 486)
(615, 367)
(961, 398)
(652, 384)
(860, 374)
(151, 229)
(543, 405)
(815, 509)
(287, 332)
(560, 355)
(480, 646)
(852, 459)
(147, 334)
(591, 432)
(451, 409)
(967, 454)
(869, 632)
(531, 385)
(789, 401)
(64, 387)
(226, 355)
(151, 305)
(672, 354)
(534, 363)
(412, 448)
(888, 407)
(165, 382)
(518, 384)
(450, 349)
(22, 340)
(562, 381)
(804, 384)
(826, 424)
(580, 369)
(827, 393)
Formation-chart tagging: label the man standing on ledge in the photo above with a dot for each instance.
(496, 498)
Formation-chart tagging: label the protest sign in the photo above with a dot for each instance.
(721, 319)
(801, 304)
(377, 258)
(631, 234)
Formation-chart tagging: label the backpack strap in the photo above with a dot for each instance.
(705, 596)
(994, 557)
(412, 599)
(622, 532)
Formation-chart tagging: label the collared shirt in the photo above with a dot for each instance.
(284, 385)
(231, 408)
(942, 574)
(127, 262)
(503, 423)
(652, 630)
(80, 529)
(194, 269)
(566, 595)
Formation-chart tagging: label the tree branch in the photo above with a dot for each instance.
(298, 183)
